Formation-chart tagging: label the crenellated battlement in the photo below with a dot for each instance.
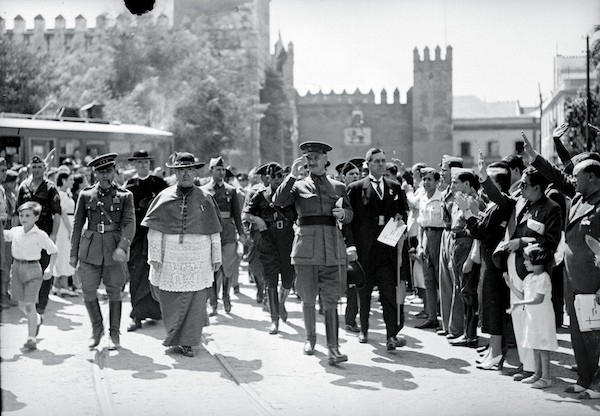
(77, 36)
(437, 59)
(357, 97)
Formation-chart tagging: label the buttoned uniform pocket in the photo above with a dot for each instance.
(85, 243)
(304, 243)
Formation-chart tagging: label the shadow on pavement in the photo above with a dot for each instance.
(10, 403)
(420, 360)
(141, 366)
(45, 356)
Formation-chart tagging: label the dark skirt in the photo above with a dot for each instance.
(495, 297)
(184, 315)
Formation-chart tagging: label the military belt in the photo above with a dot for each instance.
(317, 220)
(104, 228)
(280, 225)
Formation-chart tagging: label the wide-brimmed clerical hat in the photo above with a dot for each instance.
(183, 160)
(140, 155)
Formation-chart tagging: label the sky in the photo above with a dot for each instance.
(502, 49)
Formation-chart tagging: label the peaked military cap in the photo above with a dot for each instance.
(262, 169)
(103, 161)
(182, 160)
(36, 159)
(140, 155)
(273, 168)
(216, 161)
(313, 146)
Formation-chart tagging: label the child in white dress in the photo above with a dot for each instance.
(539, 328)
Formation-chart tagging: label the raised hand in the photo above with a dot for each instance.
(482, 166)
(461, 201)
(298, 166)
(560, 130)
(529, 147)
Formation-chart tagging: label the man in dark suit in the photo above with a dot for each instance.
(375, 200)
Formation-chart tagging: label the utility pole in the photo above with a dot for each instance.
(588, 99)
(541, 109)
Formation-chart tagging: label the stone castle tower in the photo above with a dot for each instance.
(432, 106)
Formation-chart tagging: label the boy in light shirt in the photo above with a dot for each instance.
(26, 274)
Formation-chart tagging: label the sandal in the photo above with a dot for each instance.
(589, 394)
(531, 379)
(186, 350)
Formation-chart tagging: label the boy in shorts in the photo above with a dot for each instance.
(26, 274)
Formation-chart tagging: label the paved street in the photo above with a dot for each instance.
(241, 369)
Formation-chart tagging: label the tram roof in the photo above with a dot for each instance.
(18, 121)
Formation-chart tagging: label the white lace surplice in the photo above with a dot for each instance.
(185, 266)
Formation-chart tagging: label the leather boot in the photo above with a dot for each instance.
(331, 329)
(114, 309)
(93, 308)
(274, 308)
(260, 291)
(310, 325)
(283, 294)
(226, 299)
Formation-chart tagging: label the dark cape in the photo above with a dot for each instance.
(143, 305)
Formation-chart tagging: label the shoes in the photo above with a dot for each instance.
(213, 312)
(274, 328)
(309, 347)
(40, 321)
(114, 342)
(260, 296)
(394, 342)
(441, 332)
(236, 289)
(543, 383)
(574, 388)
(227, 305)
(531, 379)
(422, 315)
(362, 338)
(463, 342)
(62, 292)
(427, 324)
(353, 328)
(134, 325)
(520, 376)
(588, 394)
(186, 351)
(451, 336)
(491, 362)
(30, 345)
(483, 348)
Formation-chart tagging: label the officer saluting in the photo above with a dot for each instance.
(318, 253)
(100, 252)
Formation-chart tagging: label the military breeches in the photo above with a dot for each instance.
(274, 251)
(319, 280)
(113, 277)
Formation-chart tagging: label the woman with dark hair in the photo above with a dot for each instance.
(488, 229)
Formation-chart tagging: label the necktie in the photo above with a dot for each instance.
(378, 189)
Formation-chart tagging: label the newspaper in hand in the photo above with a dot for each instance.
(587, 311)
(392, 232)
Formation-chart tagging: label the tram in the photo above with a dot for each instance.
(24, 135)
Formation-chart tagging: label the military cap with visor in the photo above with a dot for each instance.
(103, 161)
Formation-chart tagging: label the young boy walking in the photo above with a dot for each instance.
(26, 274)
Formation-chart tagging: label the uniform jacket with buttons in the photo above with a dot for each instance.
(321, 245)
(229, 204)
(91, 246)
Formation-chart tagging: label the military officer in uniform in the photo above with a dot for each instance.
(100, 252)
(231, 215)
(318, 252)
(275, 244)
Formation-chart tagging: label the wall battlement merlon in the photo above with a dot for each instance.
(344, 97)
(427, 56)
(80, 24)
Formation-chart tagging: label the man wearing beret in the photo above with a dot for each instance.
(39, 189)
(318, 252)
(144, 188)
(229, 206)
(100, 252)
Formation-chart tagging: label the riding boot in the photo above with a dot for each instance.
(283, 294)
(274, 308)
(226, 299)
(114, 309)
(93, 308)
(331, 329)
(311, 329)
